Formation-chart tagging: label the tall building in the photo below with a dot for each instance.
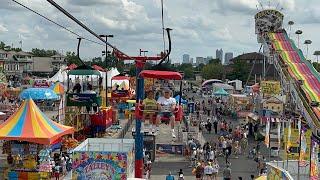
(191, 61)
(199, 60)
(206, 61)
(227, 57)
(185, 59)
(219, 55)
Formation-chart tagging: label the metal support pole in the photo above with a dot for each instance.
(139, 135)
(106, 71)
(299, 154)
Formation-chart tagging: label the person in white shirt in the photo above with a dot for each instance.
(215, 169)
(208, 171)
(166, 105)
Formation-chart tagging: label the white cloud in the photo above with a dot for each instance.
(3, 28)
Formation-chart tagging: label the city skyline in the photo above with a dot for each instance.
(136, 24)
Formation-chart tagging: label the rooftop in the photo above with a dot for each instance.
(249, 56)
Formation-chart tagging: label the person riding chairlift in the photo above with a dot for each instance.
(167, 106)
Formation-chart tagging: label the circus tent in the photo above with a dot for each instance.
(30, 124)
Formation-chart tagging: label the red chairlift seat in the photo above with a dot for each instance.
(169, 75)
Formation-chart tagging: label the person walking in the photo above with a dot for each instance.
(169, 176)
(215, 169)
(208, 171)
(209, 126)
(227, 173)
(215, 125)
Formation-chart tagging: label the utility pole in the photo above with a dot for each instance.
(106, 54)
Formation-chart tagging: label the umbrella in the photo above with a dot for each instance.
(58, 88)
(183, 101)
(39, 94)
(221, 92)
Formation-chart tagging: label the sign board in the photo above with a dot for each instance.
(270, 87)
(41, 83)
(76, 99)
(169, 149)
(101, 165)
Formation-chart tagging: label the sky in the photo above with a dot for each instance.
(199, 26)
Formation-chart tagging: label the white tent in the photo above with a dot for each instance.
(113, 72)
(62, 76)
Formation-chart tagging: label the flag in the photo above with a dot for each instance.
(61, 111)
(289, 135)
(279, 135)
(303, 148)
(267, 137)
(314, 160)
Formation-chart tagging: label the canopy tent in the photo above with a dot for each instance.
(221, 92)
(160, 74)
(60, 76)
(111, 73)
(29, 124)
(210, 82)
(58, 88)
(98, 68)
(39, 94)
(71, 67)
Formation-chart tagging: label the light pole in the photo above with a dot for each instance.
(143, 51)
(317, 53)
(298, 33)
(307, 42)
(106, 53)
(290, 23)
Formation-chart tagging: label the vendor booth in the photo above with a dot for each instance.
(28, 136)
(97, 158)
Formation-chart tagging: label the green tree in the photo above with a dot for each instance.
(316, 66)
(2, 45)
(43, 53)
(240, 70)
(72, 58)
(213, 71)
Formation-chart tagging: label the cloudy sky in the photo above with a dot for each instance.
(199, 26)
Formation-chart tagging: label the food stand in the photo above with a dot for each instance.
(98, 158)
(28, 134)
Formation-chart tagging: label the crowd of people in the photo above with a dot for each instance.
(232, 140)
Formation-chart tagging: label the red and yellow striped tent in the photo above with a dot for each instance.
(30, 124)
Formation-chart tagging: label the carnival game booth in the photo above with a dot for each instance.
(28, 135)
(99, 158)
(84, 111)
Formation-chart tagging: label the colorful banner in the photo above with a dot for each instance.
(289, 135)
(267, 137)
(314, 161)
(279, 135)
(303, 148)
